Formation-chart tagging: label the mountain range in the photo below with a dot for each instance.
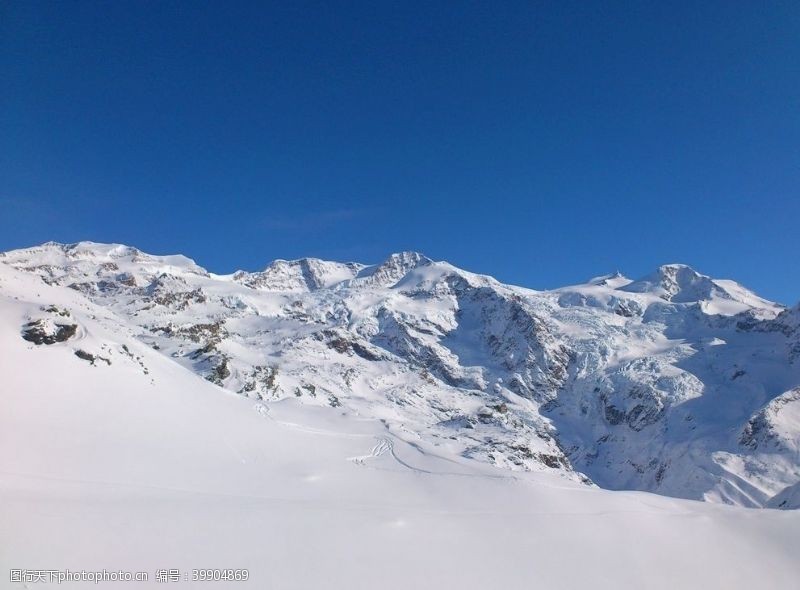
(674, 383)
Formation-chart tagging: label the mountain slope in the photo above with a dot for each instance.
(666, 384)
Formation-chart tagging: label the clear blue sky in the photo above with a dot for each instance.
(541, 142)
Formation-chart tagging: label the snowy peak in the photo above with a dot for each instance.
(305, 274)
(614, 280)
(97, 252)
(312, 274)
(85, 263)
(394, 268)
(679, 283)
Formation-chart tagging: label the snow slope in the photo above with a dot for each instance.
(122, 458)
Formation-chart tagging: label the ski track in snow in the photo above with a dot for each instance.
(383, 445)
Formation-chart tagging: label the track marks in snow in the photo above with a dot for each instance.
(386, 445)
(383, 446)
(264, 411)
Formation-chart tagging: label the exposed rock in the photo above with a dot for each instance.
(47, 332)
(92, 358)
(220, 372)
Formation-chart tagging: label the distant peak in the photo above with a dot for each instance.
(110, 250)
(301, 274)
(408, 258)
(680, 283)
(279, 263)
(86, 248)
(615, 280)
(677, 267)
(394, 268)
(674, 270)
(88, 252)
(676, 282)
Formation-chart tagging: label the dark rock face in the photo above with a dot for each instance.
(261, 382)
(205, 333)
(39, 332)
(513, 334)
(756, 430)
(82, 354)
(91, 358)
(643, 407)
(344, 343)
(57, 310)
(220, 372)
(760, 430)
(614, 415)
(552, 461)
(178, 301)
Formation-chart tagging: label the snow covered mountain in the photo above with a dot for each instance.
(675, 383)
(116, 456)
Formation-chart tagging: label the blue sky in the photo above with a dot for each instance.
(541, 142)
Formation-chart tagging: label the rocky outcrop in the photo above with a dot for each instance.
(45, 331)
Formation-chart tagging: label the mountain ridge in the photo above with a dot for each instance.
(400, 258)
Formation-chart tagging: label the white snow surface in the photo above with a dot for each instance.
(399, 425)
